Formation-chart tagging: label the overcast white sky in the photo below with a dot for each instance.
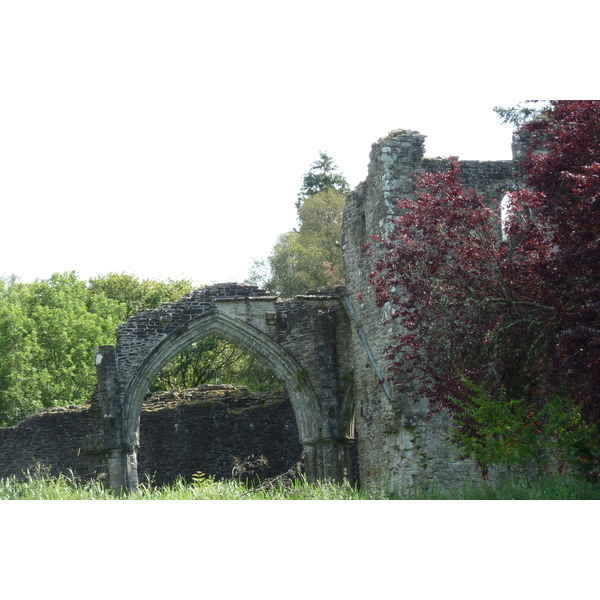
(169, 139)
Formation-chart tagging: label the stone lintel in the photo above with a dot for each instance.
(250, 298)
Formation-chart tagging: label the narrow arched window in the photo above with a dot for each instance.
(505, 207)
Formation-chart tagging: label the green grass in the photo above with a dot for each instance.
(42, 486)
(544, 488)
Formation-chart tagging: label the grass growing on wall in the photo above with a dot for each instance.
(42, 486)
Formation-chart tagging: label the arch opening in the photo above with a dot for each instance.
(213, 360)
(217, 410)
(249, 339)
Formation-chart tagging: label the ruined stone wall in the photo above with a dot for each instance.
(51, 438)
(291, 324)
(181, 432)
(396, 446)
(296, 338)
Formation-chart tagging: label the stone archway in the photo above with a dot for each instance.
(249, 339)
(296, 339)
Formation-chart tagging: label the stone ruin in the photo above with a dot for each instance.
(326, 347)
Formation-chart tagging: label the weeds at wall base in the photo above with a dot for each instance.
(542, 488)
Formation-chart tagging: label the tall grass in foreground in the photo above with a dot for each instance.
(62, 487)
(46, 487)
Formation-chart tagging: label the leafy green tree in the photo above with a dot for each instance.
(134, 294)
(323, 175)
(521, 113)
(259, 273)
(311, 255)
(48, 332)
(214, 361)
(17, 349)
(286, 277)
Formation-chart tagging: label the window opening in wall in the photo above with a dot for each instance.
(362, 234)
(504, 212)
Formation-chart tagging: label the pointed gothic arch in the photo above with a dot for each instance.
(249, 339)
(297, 339)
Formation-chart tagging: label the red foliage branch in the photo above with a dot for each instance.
(521, 315)
(562, 175)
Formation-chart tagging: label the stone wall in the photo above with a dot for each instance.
(51, 438)
(181, 432)
(396, 446)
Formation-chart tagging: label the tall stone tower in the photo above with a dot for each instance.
(396, 446)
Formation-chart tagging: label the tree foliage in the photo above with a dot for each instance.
(134, 294)
(309, 256)
(323, 175)
(520, 114)
(215, 361)
(562, 193)
(518, 319)
(48, 332)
